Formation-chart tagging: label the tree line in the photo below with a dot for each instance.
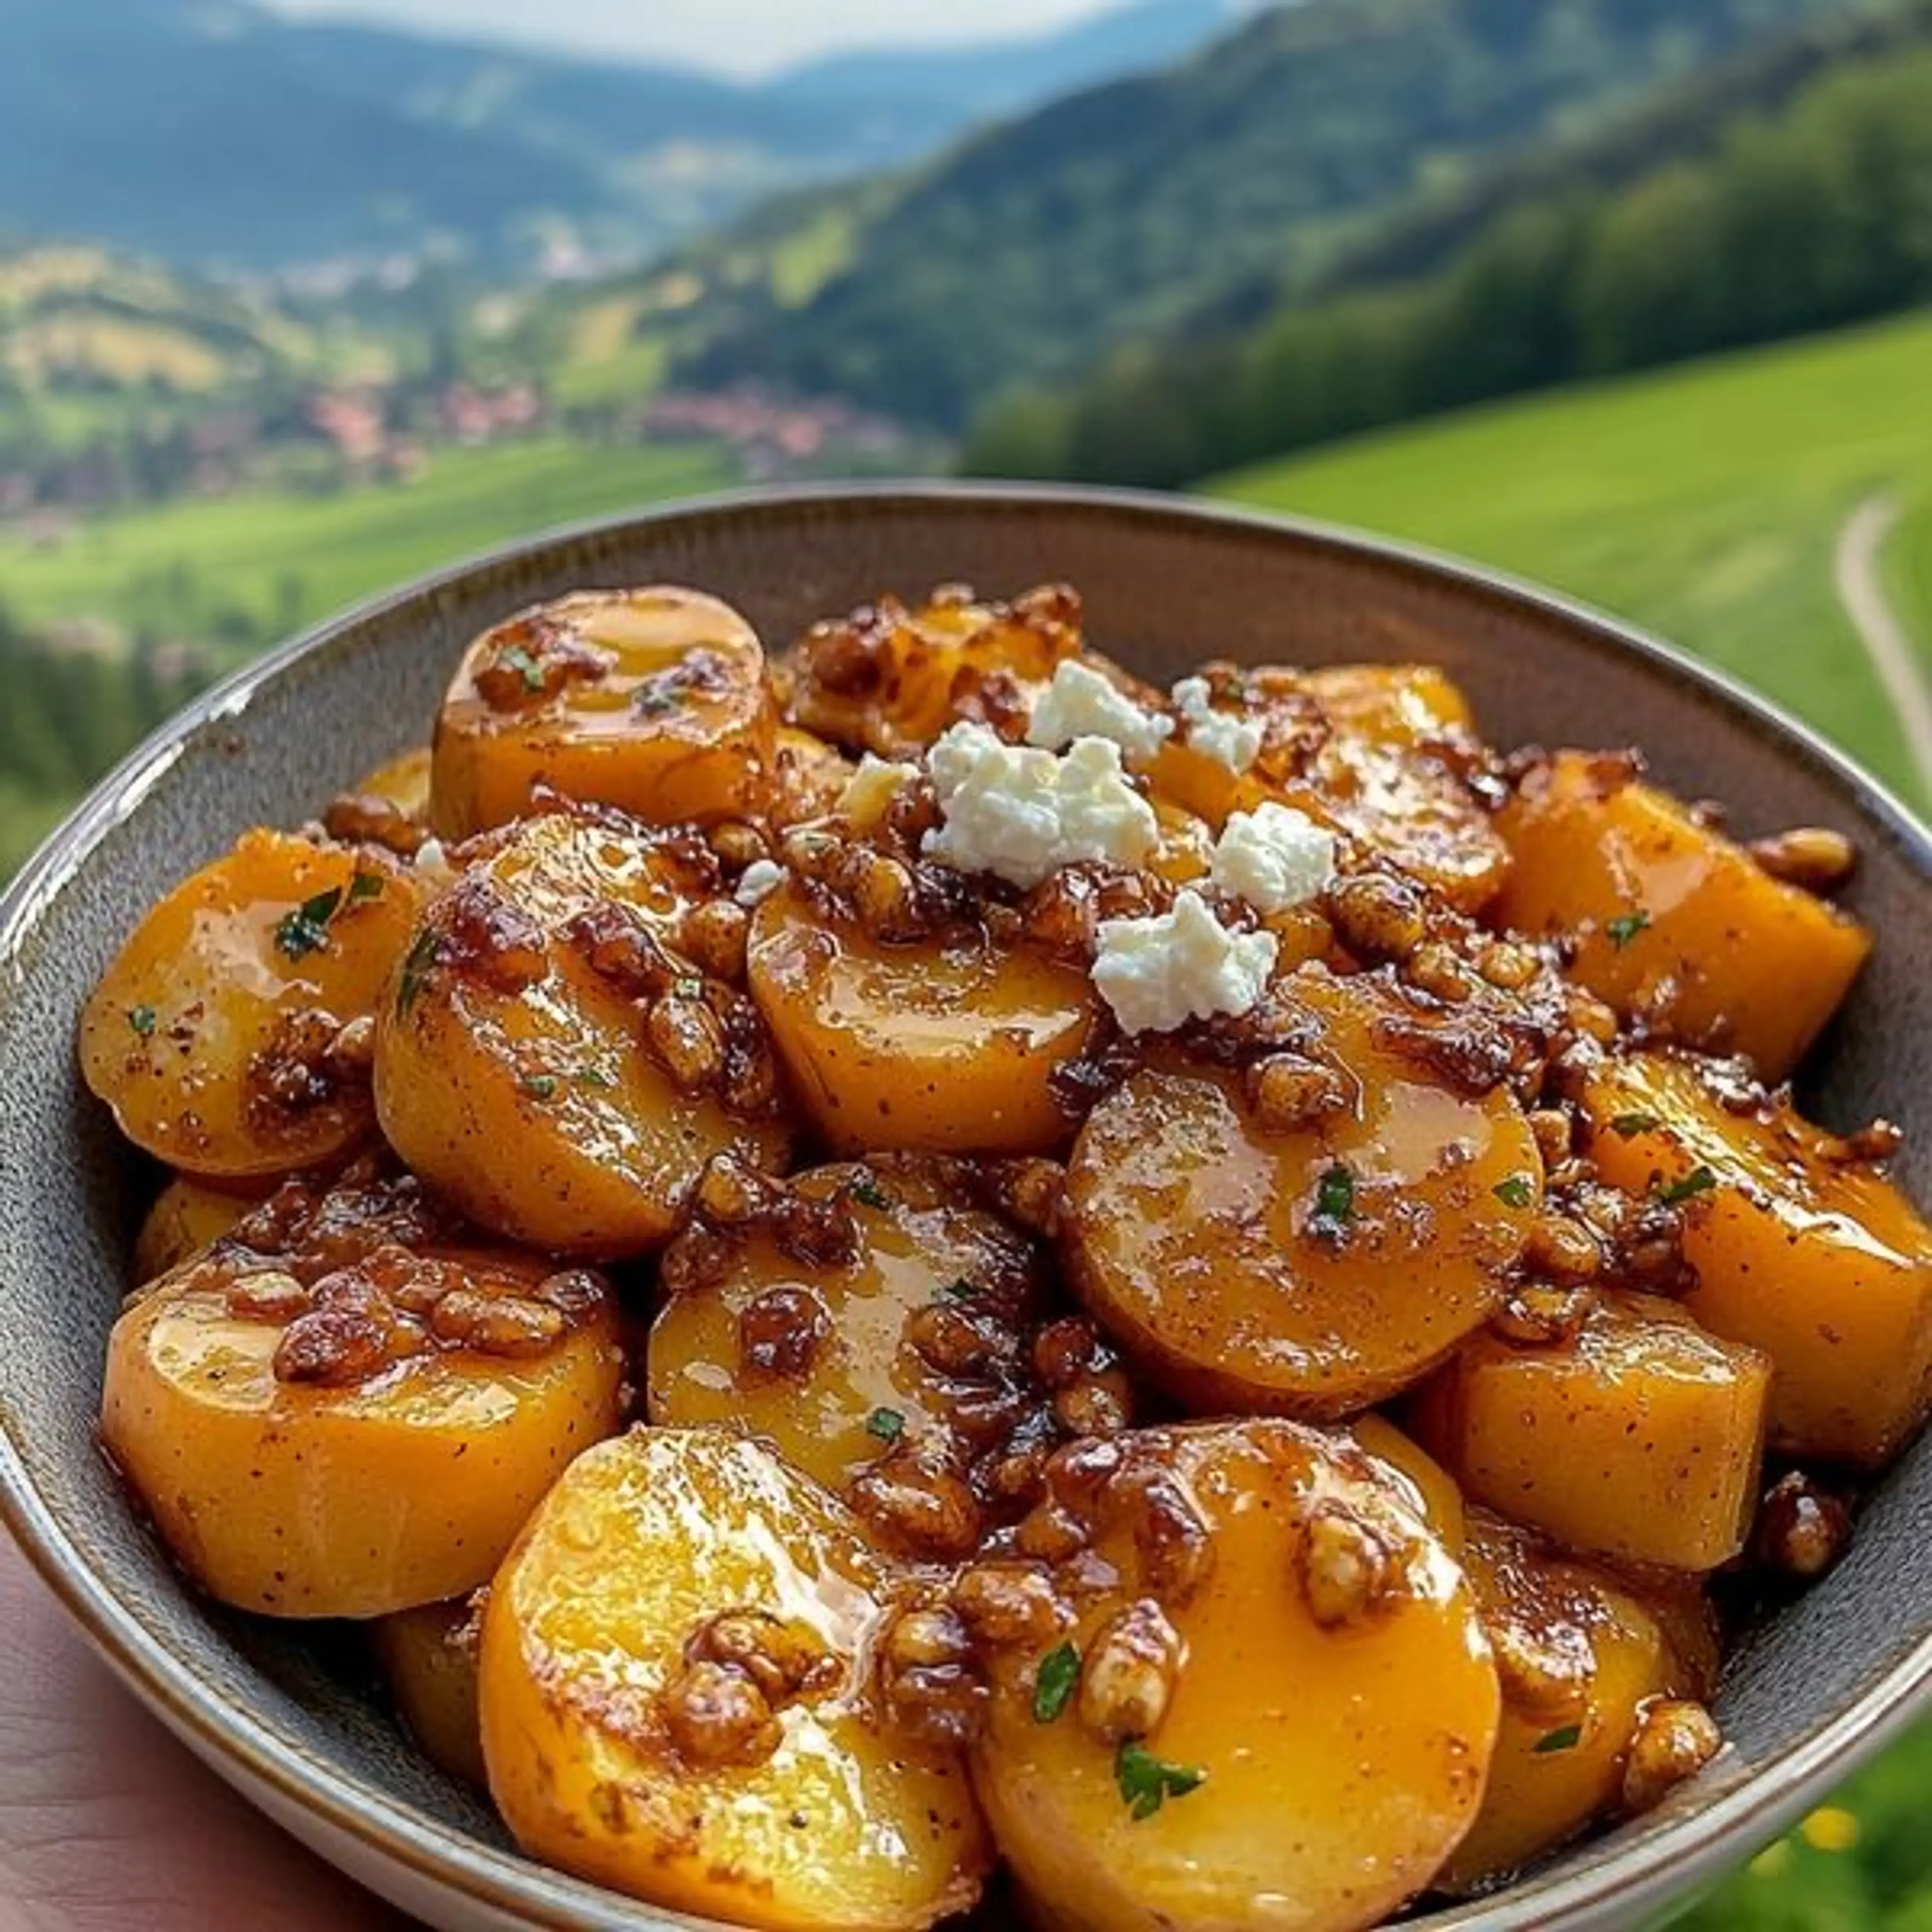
(1815, 216)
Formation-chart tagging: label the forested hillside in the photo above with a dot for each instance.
(1114, 214)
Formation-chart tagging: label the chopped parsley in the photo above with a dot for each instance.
(1148, 1782)
(653, 700)
(1567, 1738)
(539, 1086)
(1625, 927)
(1334, 1200)
(592, 1076)
(365, 885)
(306, 929)
(1516, 1192)
(142, 1019)
(1699, 1180)
(417, 963)
(1629, 1125)
(868, 1191)
(1053, 1685)
(517, 659)
(688, 988)
(887, 1424)
(962, 1290)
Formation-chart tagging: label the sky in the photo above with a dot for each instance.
(742, 36)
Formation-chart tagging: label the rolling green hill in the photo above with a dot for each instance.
(1112, 214)
(1703, 502)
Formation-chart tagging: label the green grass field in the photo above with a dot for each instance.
(277, 562)
(1703, 503)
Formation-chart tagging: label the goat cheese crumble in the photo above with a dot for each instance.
(1080, 703)
(1158, 974)
(758, 881)
(1274, 857)
(1021, 813)
(1233, 742)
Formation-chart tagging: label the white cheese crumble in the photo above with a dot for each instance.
(429, 856)
(758, 881)
(1235, 741)
(1081, 703)
(1157, 973)
(870, 790)
(1274, 857)
(1022, 813)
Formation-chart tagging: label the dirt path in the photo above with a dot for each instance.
(1892, 653)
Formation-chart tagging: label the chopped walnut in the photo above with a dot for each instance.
(1350, 1570)
(930, 1677)
(918, 1504)
(1129, 1673)
(1675, 1738)
(1377, 915)
(780, 1334)
(1811, 856)
(717, 1715)
(1008, 1604)
(1802, 1529)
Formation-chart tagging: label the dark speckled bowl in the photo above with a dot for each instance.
(280, 1714)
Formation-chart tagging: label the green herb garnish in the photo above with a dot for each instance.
(962, 1290)
(517, 659)
(688, 988)
(142, 1019)
(869, 1192)
(1699, 1180)
(365, 885)
(1626, 927)
(417, 963)
(1148, 1782)
(887, 1424)
(539, 1086)
(306, 929)
(592, 1076)
(1054, 1686)
(1629, 1125)
(1567, 1738)
(653, 700)
(1516, 1192)
(1334, 1200)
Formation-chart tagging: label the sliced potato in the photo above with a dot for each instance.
(1817, 1259)
(538, 1089)
(1580, 1654)
(1311, 1271)
(1429, 1489)
(1669, 921)
(228, 1034)
(364, 1445)
(428, 1658)
(1285, 1706)
(628, 1741)
(889, 680)
(403, 781)
(655, 701)
(187, 1216)
(1642, 1439)
(942, 1049)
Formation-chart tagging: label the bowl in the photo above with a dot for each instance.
(285, 1713)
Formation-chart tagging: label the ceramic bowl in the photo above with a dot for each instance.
(286, 1714)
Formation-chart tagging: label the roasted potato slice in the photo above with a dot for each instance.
(655, 701)
(1669, 921)
(230, 1034)
(550, 1060)
(1800, 1247)
(875, 1325)
(1314, 1269)
(1641, 1438)
(677, 1699)
(889, 680)
(428, 1660)
(943, 1048)
(1580, 1654)
(1430, 1488)
(1255, 1692)
(370, 1441)
(187, 1216)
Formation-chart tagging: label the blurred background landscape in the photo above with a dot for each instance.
(1631, 296)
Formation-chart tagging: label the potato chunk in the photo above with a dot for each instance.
(229, 1036)
(550, 1060)
(1269, 1703)
(942, 1049)
(428, 1659)
(677, 1698)
(1671, 922)
(1579, 1654)
(363, 1442)
(1313, 1270)
(655, 701)
(1641, 1439)
(1815, 1257)
(878, 1315)
(187, 1216)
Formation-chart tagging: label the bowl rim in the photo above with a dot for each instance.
(1643, 1878)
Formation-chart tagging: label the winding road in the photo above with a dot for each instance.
(1893, 655)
